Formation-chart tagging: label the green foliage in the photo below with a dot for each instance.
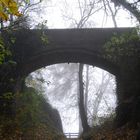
(27, 108)
(5, 49)
(8, 7)
(123, 46)
(4, 52)
(44, 39)
(43, 26)
(7, 96)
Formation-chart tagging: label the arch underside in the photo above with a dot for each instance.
(69, 56)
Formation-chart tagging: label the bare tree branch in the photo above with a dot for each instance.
(113, 14)
(129, 6)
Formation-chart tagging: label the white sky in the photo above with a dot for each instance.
(54, 11)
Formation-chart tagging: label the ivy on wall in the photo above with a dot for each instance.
(4, 52)
(123, 47)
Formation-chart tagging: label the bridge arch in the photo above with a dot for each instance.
(69, 56)
(63, 46)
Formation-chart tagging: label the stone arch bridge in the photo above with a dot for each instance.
(34, 49)
(38, 48)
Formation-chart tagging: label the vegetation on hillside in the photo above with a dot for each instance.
(104, 132)
(34, 118)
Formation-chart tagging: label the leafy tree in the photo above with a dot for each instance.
(8, 7)
(15, 19)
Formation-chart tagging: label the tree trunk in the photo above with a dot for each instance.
(113, 14)
(86, 89)
(81, 101)
(80, 125)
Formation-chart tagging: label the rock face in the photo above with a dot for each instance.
(53, 116)
(48, 115)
